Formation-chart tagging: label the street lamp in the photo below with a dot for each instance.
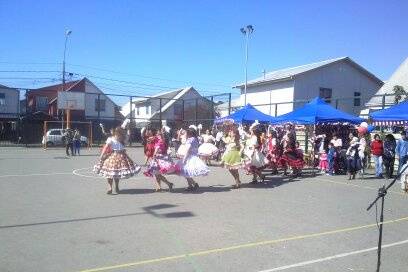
(68, 112)
(246, 31)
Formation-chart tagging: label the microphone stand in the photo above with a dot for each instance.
(382, 192)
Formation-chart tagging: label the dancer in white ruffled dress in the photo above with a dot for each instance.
(207, 149)
(191, 165)
(254, 159)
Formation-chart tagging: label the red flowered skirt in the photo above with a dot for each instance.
(293, 159)
(117, 165)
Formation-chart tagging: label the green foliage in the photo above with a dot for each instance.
(400, 94)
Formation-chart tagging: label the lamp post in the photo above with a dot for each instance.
(68, 112)
(246, 31)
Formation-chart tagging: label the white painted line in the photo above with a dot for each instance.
(75, 172)
(33, 175)
(342, 255)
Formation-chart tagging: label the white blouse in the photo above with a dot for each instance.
(115, 144)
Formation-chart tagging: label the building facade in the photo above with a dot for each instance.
(341, 82)
(172, 108)
(9, 103)
(98, 106)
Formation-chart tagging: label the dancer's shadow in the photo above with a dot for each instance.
(136, 191)
(204, 189)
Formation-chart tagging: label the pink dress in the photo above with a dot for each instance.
(323, 163)
(161, 163)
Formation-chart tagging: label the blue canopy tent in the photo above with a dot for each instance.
(247, 114)
(315, 112)
(395, 114)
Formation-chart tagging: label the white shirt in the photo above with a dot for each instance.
(337, 143)
(114, 143)
(219, 135)
(207, 138)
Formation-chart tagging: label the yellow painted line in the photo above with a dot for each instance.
(248, 245)
(359, 186)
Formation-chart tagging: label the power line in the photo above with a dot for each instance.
(29, 71)
(149, 77)
(125, 81)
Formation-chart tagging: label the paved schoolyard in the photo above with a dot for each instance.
(55, 216)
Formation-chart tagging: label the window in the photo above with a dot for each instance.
(100, 104)
(41, 102)
(55, 132)
(147, 107)
(326, 94)
(357, 99)
(2, 99)
(178, 109)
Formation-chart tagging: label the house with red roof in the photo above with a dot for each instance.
(98, 106)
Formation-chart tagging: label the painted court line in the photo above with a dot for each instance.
(75, 172)
(337, 256)
(358, 186)
(38, 174)
(242, 246)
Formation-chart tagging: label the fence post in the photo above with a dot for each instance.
(182, 113)
(196, 111)
(160, 111)
(229, 103)
(99, 116)
(131, 118)
(212, 108)
(383, 102)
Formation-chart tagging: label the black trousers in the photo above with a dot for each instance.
(71, 147)
(389, 166)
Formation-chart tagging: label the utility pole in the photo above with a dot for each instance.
(246, 31)
(68, 111)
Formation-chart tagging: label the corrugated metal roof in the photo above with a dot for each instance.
(288, 73)
(399, 77)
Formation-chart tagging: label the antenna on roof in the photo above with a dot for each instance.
(264, 73)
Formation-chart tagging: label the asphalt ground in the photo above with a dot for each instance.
(55, 216)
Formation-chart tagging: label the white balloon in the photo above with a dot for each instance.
(364, 124)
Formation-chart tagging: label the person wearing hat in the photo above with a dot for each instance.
(353, 158)
(401, 150)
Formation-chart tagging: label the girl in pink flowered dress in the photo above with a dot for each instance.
(323, 162)
(161, 163)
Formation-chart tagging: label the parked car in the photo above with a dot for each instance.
(55, 137)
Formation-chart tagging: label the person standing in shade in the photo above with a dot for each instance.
(389, 155)
(401, 150)
(69, 141)
(77, 142)
(377, 152)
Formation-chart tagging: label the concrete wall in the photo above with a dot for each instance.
(12, 97)
(343, 78)
(90, 111)
(271, 93)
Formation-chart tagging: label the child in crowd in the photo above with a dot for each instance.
(331, 155)
(323, 163)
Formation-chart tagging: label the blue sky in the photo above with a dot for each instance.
(157, 45)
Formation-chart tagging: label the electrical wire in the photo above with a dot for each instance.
(150, 77)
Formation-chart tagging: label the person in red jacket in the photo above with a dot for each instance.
(377, 153)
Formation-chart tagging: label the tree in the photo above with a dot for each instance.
(399, 93)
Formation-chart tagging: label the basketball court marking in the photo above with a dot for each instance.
(337, 256)
(358, 186)
(242, 246)
(38, 174)
(75, 172)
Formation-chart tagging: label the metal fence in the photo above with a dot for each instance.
(110, 110)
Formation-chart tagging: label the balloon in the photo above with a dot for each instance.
(364, 124)
(362, 130)
(370, 128)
